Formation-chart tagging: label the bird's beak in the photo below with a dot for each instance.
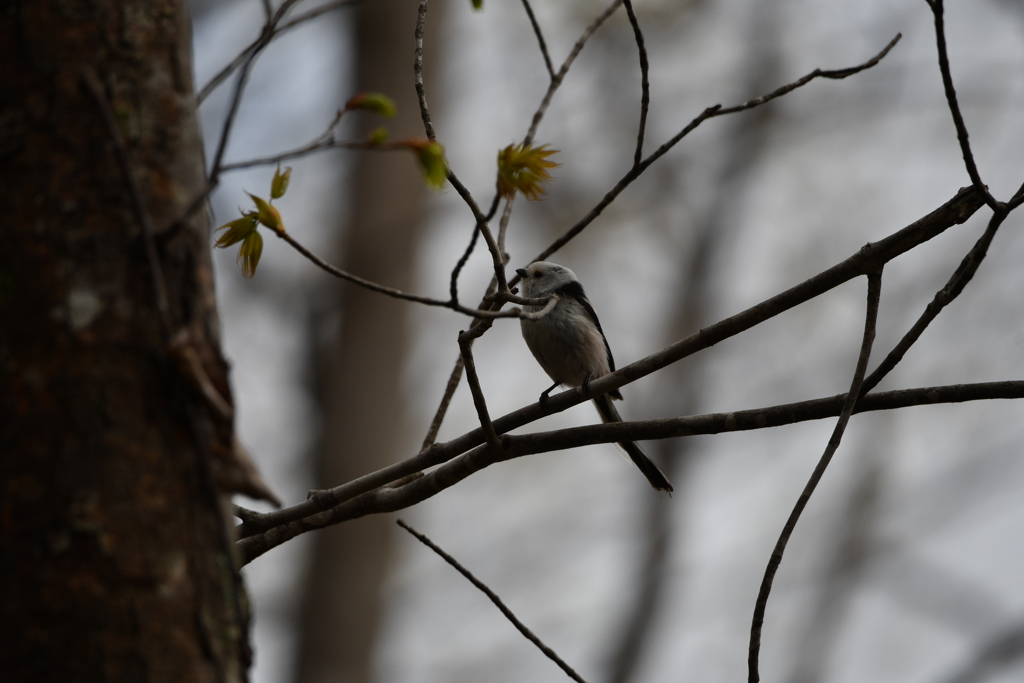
(521, 272)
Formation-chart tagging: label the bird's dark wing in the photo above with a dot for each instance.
(575, 291)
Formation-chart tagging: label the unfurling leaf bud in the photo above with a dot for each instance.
(523, 168)
(376, 102)
(237, 230)
(478, 5)
(267, 214)
(279, 185)
(379, 136)
(430, 154)
(249, 254)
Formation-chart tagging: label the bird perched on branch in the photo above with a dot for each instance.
(571, 347)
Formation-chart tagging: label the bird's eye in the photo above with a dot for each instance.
(537, 274)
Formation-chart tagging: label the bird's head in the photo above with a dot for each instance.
(541, 277)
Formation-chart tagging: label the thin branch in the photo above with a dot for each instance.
(645, 86)
(222, 75)
(317, 145)
(870, 318)
(399, 294)
(453, 286)
(428, 127)
(503, 227)
(557, 79)
(417, 71)
(956, 284)
(548, 652)
(482, 222)
(710, 112)
(479, 402)
(442, 408)
(370, 495)
(954, 107)
(833, 74)
(540, 39)
(156, 273)
(243, 78)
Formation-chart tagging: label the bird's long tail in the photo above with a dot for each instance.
(654, 475)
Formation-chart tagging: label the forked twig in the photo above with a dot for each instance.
(711, 112)
(222, 75)
(952, 289)
(520, 626)
(557, 79)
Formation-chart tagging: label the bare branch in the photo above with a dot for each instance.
(954, 107)
(963, 274)
(417, 70)
(871, 317)
(453, 286)
(318, 145)
(540, 39)
(557, 79)
(548, 652)
(364, 496)
(222, 75)
(497, 258)
(243, 79)
(399, 294)
(479, 402)
(637, 169)
(449, 392)
(645, 85)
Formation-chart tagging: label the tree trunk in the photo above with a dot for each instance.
(115, 552)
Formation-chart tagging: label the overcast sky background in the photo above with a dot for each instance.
(934, 493)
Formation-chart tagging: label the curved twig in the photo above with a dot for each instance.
(870, 318)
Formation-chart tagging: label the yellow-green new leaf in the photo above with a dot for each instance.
(478, 5)
(524, 168)
(279, 185)
(249, 254)
(430, 154)
(378, 103)
(267, 214)
(236, 230)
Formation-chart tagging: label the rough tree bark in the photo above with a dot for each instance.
(115, 557)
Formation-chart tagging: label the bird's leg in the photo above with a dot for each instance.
(544, 396)
(585, 387)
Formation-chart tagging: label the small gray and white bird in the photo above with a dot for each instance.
(571, 347)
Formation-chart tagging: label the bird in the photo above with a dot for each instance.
(570, 346)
